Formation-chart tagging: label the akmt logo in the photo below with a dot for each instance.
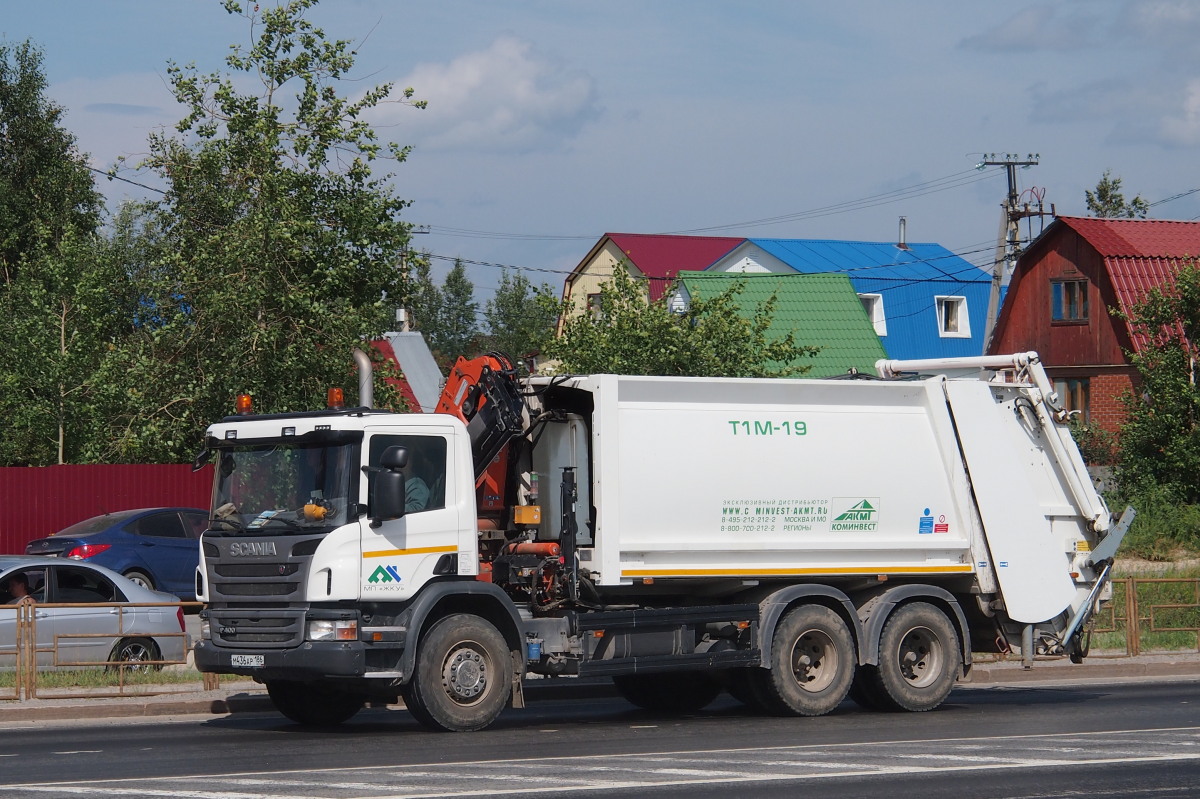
(384, 574)
(860, 517)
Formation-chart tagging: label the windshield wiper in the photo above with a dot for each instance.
(291, 523)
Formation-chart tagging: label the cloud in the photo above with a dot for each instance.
(1170, 27)
(1182, 129)
(507, 98)
(1046, 26)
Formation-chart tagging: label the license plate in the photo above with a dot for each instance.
(246, 661)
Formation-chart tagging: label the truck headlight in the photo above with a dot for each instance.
(333, 630)
(205, 630)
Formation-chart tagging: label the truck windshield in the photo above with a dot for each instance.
(278, 488)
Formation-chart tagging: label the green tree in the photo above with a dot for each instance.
(458, 329)
(1107, 200)
(1159, 449)
(629, 334)
(447, 314)
(60, 298)
(521, 317)
(276, 244)
(46, 189)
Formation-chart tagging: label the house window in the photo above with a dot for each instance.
(873, 304)
(593, 305)
(952, 317)
(1075, 396)
(1068, 301)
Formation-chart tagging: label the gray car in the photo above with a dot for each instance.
(69, 637)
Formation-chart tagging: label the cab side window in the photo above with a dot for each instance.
(425, 475)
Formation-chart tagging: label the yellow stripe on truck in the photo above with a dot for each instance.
(391, 553)
(962, 568)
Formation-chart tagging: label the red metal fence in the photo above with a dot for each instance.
(39, 500)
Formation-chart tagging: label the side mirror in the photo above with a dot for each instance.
(387, 497)
(201, 459)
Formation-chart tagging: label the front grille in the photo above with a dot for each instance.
(257, 589)
(251, 569)
(255, 569)
(240, 627)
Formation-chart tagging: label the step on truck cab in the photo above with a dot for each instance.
(792, 542)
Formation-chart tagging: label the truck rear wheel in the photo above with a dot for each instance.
(919, 660)
(669, 692)
(463, 676)
(812, 664)
(312, 704)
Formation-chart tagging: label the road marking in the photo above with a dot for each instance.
(643, 771)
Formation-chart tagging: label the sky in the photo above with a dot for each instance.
(550, 123)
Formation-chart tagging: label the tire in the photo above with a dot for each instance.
(669, 692)
(919, 659)
(134, 651)
(463, 676)
(812, 664)
(140, 578)
(313, 704)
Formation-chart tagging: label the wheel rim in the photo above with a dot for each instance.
(920, 657)
(133, 655)
(465, 673)
(814, 661)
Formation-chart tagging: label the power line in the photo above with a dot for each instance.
(111, 176)
(1173, 197)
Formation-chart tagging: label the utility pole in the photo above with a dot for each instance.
(1008, 242)
(403, 316)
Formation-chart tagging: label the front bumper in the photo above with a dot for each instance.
(311, 660)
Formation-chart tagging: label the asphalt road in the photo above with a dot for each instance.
(1137, 738)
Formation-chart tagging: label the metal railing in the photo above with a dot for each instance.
(1150, 614)
(1146, 614)
(31, 660)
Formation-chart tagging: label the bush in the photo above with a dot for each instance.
(1163, 528)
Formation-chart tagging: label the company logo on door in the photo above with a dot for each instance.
(859, 515)
(384, 574)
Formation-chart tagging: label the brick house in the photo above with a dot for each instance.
(1062, 294)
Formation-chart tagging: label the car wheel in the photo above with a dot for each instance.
(140, 578)
(133, 654)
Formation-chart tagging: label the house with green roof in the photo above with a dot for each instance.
(822, 310)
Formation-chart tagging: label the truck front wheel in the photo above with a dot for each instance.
(919, 660)
(812, 664)
(312, 704)
(463, 676)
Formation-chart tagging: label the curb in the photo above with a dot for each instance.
(255, 699)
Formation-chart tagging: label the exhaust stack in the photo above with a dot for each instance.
(366, 382)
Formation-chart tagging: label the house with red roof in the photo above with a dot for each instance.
(1062, 295)
(656, 258)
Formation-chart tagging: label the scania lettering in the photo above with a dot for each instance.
(792, 542)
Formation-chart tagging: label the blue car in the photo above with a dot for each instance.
(157, 548)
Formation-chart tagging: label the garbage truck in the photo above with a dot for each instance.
(793, 542)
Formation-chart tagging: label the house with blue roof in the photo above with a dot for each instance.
(923, 300)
